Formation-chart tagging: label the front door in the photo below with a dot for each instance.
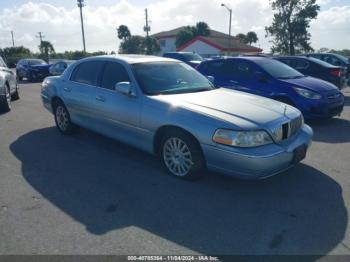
(117, 114)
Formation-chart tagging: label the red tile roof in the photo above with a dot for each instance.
(223, 44)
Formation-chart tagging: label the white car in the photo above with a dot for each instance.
(8, 87)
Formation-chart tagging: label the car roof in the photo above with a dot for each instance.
(310, 59)
(292, 57)
(179, 53)
(250, 58)
(132, 59)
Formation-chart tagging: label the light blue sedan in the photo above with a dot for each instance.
(165, 107)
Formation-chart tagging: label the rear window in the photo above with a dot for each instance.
(87, 72)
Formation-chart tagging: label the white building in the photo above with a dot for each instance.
(216, 43)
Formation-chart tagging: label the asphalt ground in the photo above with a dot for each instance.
(87, 194)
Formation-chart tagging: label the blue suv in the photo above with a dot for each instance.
(267, 77)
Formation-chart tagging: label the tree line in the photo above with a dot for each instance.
(289, 33)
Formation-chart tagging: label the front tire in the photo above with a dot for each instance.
(62, 118)
(182, 155)
(5, 102)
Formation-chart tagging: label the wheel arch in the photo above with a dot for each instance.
(161, 131)
(54, 100)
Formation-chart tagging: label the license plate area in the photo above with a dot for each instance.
(299, 154)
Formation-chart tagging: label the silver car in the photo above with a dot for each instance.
(166, 107)
(8, 87)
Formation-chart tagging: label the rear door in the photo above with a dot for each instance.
(77, 92)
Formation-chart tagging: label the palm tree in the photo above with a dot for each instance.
(123, 32)
(242, 37)
(251, 37)
(202, 29)
(46, 48)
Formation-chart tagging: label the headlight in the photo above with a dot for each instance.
(307, 93)
(241, 138)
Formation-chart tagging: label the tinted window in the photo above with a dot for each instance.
(191, 57)
(300, 64)
(36, 62)
(2, 63)
(320, 62)
(278, 69)
(214, 67)
(286, 61)
(244, 69)
(114, 73)
(87, 72)
(169, 78)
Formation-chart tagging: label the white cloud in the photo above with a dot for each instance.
(61, 25)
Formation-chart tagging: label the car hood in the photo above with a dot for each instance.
(311, 83)
(241, 109)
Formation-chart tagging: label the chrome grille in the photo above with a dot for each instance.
(295, 125)
(288, 129)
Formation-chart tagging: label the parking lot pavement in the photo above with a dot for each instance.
(87, 194)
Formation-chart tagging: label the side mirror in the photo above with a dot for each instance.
(211, 79)
(124, 88)
(52, 71)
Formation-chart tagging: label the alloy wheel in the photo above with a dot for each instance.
(177, 156)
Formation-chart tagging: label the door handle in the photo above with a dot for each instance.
(100, 98)
(67, 89)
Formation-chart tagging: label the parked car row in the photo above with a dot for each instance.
(242, 116)
(38, 69)
(267, 77)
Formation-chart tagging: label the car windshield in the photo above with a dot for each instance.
(192, 57)
(170, 78)
(342, 58)
(36, 62)
(320, 62)
(278, 69)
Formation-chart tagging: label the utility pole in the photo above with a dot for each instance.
(229, 28)
(81, 5)
(41, 36)
(147, 28)
(13, 41)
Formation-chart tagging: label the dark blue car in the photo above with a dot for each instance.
(32, 69)
(316, 68)
(191, 59)
(267, 77)
(334, 59)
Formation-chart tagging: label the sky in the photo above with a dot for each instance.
(59, 21)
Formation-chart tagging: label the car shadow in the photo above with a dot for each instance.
(106, 186)
(334, 130)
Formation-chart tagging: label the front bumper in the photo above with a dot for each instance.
(256, 163)
(323, 108)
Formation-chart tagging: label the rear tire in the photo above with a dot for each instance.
(62, 118)
(5, 102)
(15, 96)
(182, 155)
